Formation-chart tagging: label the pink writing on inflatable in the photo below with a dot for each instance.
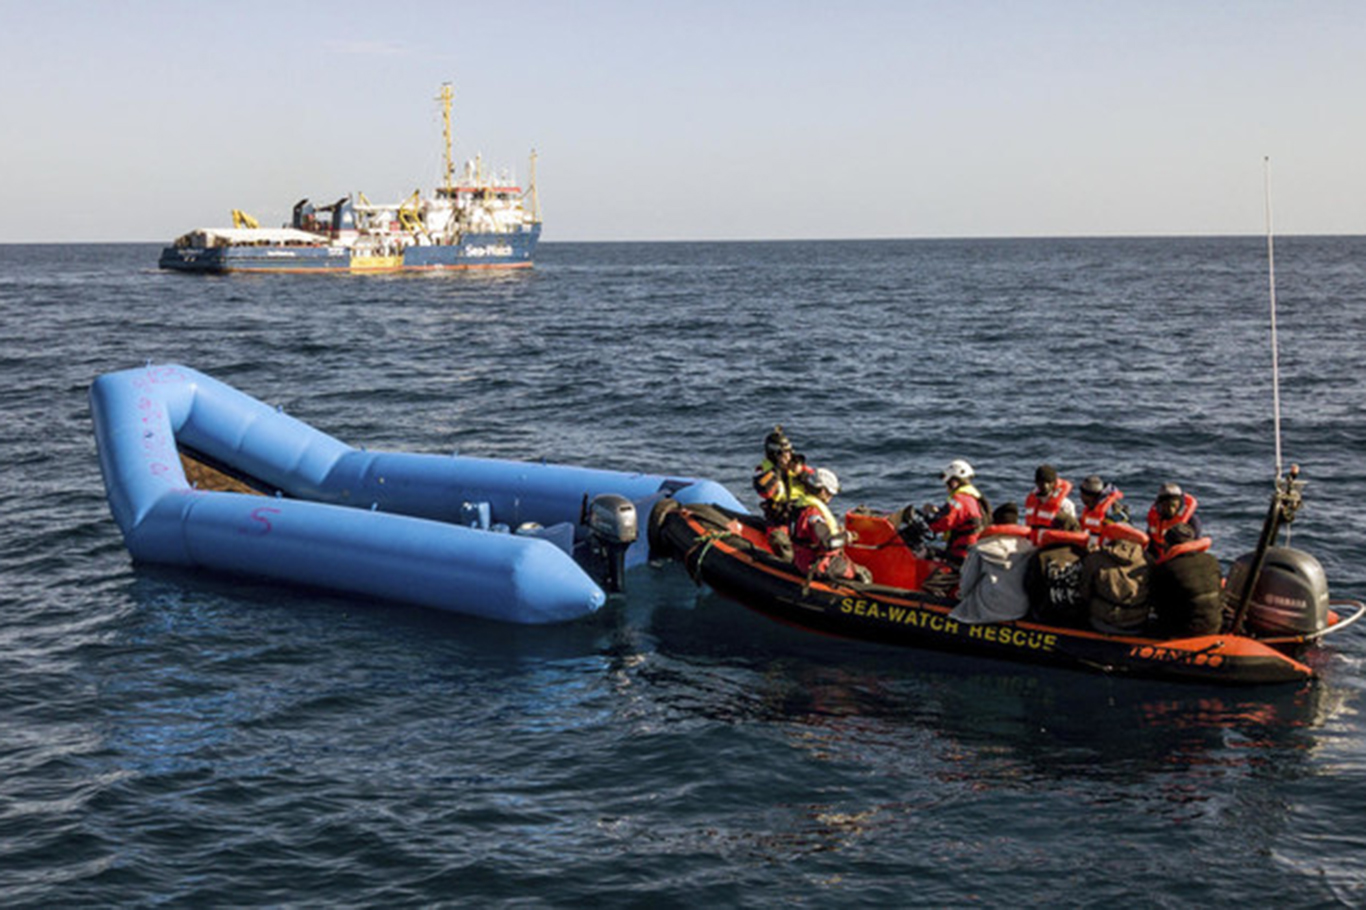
(259, 521)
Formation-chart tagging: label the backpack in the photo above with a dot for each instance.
(1123, 580)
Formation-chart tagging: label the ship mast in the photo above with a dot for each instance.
(535, 199)
(447, 93)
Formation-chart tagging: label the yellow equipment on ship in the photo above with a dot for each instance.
(241, 219)
(408, 214)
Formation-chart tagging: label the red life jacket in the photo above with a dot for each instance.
(1093, 519)
(1117, 531)
(1158, 526)
(962, 523)
(808, 553)
(1005, 531)
(1039, 513)
(1199, 545)
(1053, 536)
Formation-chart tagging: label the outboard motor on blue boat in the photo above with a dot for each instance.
(612, 528)
(1290, 596)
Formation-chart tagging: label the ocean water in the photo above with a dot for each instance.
(169, 738)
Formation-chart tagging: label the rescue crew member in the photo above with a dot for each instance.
(1048, 500)
(1171, 508)
(992, 586)
(1100, 506)
(1187, 585)
(777, 481)
(960, 520)
(818, 538)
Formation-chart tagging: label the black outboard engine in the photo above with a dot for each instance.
(612, 528)
(1288, 593)
(1289, 598)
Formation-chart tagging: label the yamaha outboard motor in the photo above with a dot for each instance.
(1273, 590)
(1289, 598)
(612, 528)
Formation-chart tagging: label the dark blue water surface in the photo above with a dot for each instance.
(190, 740)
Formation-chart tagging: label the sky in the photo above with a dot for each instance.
(698, 120)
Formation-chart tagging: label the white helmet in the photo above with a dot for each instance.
(958, 469)
(823, 479)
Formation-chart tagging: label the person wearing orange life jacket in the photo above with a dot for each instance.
(1115, 581)
(1171, 508)
(1186, 588)
(818, 538)
(960, 520)
(1047, 501)
(777, 480)
(1100, 506)
(1053, 579)
(992, 585)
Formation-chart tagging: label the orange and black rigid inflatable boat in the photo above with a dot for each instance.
(1286, 613)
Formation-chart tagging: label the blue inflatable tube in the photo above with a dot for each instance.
(388, 525)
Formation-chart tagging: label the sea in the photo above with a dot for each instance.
(179, 739)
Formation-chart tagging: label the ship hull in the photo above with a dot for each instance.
(474, 251)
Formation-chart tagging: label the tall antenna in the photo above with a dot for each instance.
(1271, 279)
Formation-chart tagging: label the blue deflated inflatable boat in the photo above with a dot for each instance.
(275, 498)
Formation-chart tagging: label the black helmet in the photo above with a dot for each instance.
(776, 443)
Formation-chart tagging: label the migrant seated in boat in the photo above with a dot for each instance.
(1114, 581)
(992, 586)
(1053, 578)
(1048, 501)
(1187, 585)
(1173, 506)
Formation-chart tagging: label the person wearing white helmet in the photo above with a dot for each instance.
(961, 519)
(818, 538)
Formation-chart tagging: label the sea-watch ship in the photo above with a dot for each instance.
(473, 220)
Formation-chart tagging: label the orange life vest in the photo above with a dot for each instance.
(1004, 531)
(1158, 526)
(1191, 546)
(1118, 531)
(1053, 536)
(1093, 519)
(1039, 513)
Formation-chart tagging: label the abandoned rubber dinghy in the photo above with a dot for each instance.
(275, 498)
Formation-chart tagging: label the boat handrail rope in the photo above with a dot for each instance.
(704, 545)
